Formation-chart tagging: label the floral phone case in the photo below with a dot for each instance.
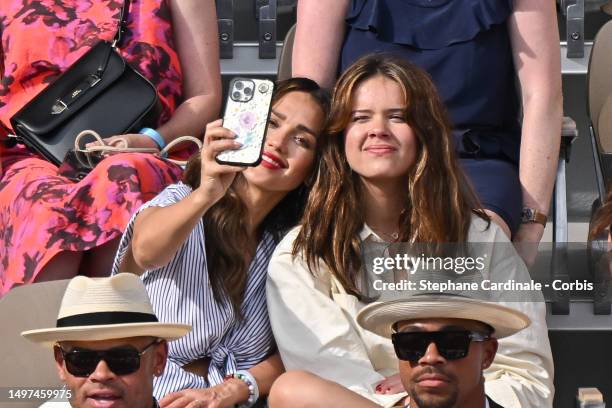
(246, 114)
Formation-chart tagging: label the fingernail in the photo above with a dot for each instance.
(237, 144)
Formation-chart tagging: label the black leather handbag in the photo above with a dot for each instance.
(100, 91)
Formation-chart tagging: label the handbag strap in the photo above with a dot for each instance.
(91, 80)
(181, 139)
(83, 154)
(117, 41)
(122, 25)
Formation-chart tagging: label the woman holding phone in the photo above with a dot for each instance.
(203, 248)
(388, 173)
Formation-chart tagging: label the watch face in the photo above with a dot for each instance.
(527, 215)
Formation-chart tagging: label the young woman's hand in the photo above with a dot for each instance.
(224, 395)
(196, 398)
(216, 178)
(390, 385)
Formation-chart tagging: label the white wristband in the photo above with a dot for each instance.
(245, 376)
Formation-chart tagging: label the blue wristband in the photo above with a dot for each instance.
(154, 134)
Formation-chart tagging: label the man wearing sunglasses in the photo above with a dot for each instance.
(108, 344)
(443, 342)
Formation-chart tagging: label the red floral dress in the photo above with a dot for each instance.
(41, 212)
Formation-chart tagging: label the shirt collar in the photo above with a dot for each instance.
(367, 233)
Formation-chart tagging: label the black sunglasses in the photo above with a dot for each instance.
(122, 360)
(452, 345)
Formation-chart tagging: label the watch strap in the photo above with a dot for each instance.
(531, 215)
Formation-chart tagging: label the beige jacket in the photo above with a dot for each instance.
(313, 320)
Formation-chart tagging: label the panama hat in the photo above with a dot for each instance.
(95, 309)
(380, 317)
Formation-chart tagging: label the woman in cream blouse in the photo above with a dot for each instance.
(388, 173)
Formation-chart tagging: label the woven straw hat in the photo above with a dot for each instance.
(381, 316)
(106, 308)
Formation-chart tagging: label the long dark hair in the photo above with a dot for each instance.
(225, 223)
(439, 202)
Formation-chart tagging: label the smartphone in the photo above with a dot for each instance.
(246, 114)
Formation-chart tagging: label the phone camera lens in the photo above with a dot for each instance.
(239, 85)
(248, 91)
(236, 95)
(263, 88)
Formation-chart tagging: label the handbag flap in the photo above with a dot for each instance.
(78, 85)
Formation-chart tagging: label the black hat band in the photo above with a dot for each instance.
(103, 318)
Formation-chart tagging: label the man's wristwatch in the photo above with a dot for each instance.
(530, 215)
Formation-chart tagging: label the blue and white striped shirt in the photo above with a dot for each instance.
(180, 292)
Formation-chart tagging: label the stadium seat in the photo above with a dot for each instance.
(24, 364)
